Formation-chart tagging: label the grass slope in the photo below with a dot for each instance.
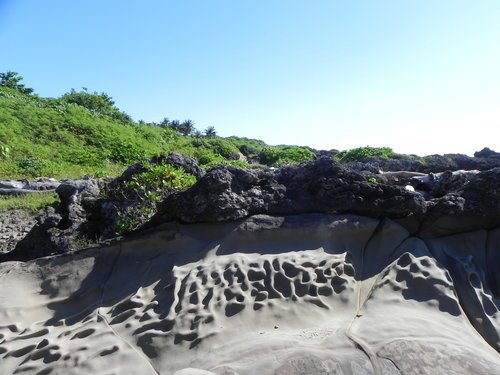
(68, 138)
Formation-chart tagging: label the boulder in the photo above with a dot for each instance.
(72, 226)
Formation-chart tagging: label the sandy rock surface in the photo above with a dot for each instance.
(286, 295)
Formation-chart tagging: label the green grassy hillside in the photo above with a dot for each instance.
(83, 133)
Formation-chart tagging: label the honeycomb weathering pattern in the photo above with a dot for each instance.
(313, 294)
(229, 284)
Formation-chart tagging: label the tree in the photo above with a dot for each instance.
(12, 80)
(174, 125)
(99, 103)
(165, 123)
(210, 132)
(186, 127)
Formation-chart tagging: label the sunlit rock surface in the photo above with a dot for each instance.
(306, 294)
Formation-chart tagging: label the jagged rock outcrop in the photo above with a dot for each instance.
(14, 226)
(230, 193)
(424, 202)
(482, 160)
(87, 214)
(73, 225)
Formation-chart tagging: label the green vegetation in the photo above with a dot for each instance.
(146, 190)
(363, 153)
(280, 155)
(30, 202)
(13, 80)
(99, 104)
(84, 133)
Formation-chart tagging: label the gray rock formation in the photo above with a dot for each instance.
(87, 215)
(74, 225)
(425, 203)
(229, 193)
(14, 226)
(482, 160)
(308, 294)
(18, 187)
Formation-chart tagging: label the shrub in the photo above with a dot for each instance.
(363, 153)
(84, 157)
(100, 104)
(157, 178)
(147, 189)
(277, 156)
(32, 166)
(126, 153)
(223, 147)
(12, 80)
(248, 147)
(206, 157)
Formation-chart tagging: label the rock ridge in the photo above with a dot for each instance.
(441, 202)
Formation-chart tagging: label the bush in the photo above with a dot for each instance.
(147, 189)
(248, 147)
(206, 157)
(363, 153)
(159, 178)
(33, 166)
(127, 153)
(100, 104)
(224, 148)
(278, 156)
(84, 157)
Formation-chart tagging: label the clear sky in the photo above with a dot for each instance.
(419, 76)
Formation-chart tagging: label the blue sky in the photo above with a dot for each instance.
(419, 76)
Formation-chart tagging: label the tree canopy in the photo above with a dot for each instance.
(12, 80)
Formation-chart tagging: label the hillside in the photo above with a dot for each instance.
(83, 133)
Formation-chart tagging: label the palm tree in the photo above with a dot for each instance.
(186, 127)
(210, 132)
(165, 123)
(174, 125)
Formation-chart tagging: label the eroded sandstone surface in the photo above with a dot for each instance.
(296, 294)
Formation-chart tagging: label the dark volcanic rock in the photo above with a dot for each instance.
(487, 153)
(482, 160)
(14, 226)
(482, 193)
(230, 193)
(74, 225)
